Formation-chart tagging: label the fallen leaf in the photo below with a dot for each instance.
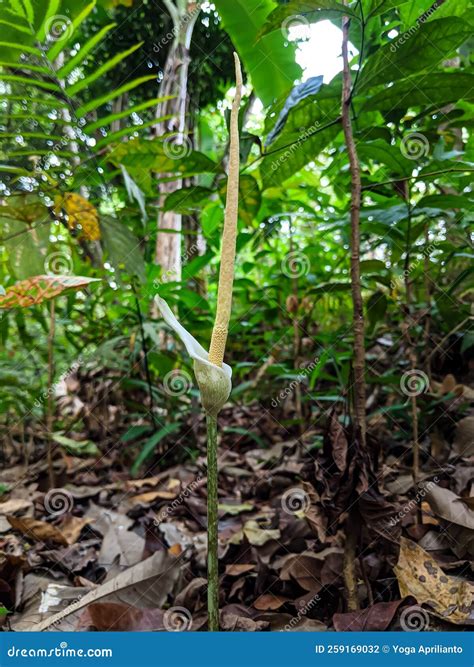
(40, 531)
(107, 616)
(464, 437)
(150, 497)
(419, 575)
(259, 536)
(269, 602)
(72, 527)
(456, 517)
(15, 505)
(149, 582)
(376, 618)
(228, 508)
(236, 569)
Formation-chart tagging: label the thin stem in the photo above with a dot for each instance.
(145, 359)
(349, 573)
(212, 526)
(50, 401)
(358, 310)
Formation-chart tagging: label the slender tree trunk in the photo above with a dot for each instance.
(175, 82)
(358, 310)
(350, 550)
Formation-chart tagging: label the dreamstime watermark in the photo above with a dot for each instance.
(404, 37)
(165, 512)
(295, 500)
(288, 391)
(51, 391)
(306, 607)
(170, 274)
(296, 22)
(188, 18)
(414, 382)
(58, 27)
(177, 146)
(295, 265)
(414, 619)
(177, 619)
(414, 146)
(305, 134)
(177, 382)
(61, 651)
(411, 505)
(399, 281)
(58, 501)
(58, 263)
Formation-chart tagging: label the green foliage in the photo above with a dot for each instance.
(78, 116)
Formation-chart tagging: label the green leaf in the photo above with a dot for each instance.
(187, 200)
(52, 10)
(432, 42)
(122, 247)
(376, 309)
(84, 51)
(58, 46)
(98, 102)
(77, 447)
(384, 153)
(445, 202)
(126, 131)
(423, 91)
(330, 287)
(270, 63)
(250, 197)
(31, 82)
(310, 126)
(24, 48)
(372, 266)
(150, 444)
(311, 10)
(100, 71)
(107, 120)
(135, 432)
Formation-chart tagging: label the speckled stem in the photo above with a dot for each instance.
(212, 526)
(229, 236)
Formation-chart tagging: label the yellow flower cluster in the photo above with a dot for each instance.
(80, 212)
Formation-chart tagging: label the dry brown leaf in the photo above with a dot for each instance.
(235, 569)
(38, 530)
(72, 527)
(464, 437)
(149, 583)
(456, 517)
(15, 505)
(419, 575)
(150, 497)
(269, 602)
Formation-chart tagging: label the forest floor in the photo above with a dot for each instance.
(106, 551)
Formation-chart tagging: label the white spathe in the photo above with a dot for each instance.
(214, 382)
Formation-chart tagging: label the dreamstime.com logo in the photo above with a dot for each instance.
(61, 651)
(169, 509)
(288, 391)
(306, 133)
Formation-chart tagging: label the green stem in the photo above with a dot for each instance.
(212, 526)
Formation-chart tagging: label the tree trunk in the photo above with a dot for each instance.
(358, 308)
(175, 82)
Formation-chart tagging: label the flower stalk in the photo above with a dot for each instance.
(212, 374)
(229, 236)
